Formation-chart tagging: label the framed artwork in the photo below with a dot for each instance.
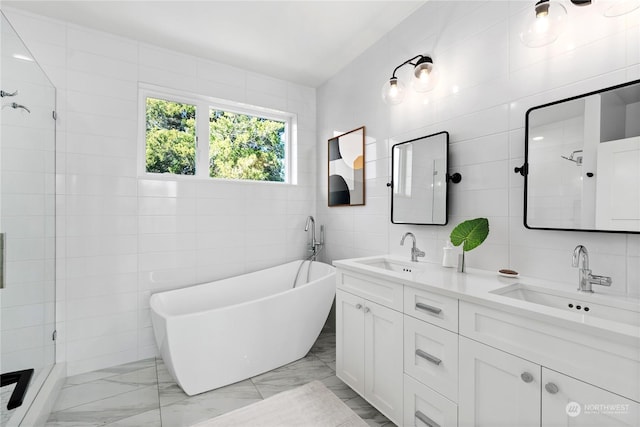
(346, 169)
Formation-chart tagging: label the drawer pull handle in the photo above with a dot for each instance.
(551, 388)
(428, 421)
(358, 306)
(429, 308)
(526, 377)
(367, 309)
(428, 357)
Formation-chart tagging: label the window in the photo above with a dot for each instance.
(204, 137)
(246, 147)
(170, 136)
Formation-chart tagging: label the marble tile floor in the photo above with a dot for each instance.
(142, 394)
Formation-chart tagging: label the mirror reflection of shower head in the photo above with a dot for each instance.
(577, 159)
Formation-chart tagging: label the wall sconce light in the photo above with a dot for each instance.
(424, 79)
(547, 23)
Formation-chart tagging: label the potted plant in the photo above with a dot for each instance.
(470, 234)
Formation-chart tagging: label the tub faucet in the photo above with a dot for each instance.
(315, 244)
(415, 252)
(585, 278)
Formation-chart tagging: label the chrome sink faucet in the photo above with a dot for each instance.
(585, 278)
(415, 252)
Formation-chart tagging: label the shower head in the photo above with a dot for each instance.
(577, 159)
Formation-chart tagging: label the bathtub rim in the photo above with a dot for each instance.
(153, 300)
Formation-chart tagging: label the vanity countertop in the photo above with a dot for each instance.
(479, 286)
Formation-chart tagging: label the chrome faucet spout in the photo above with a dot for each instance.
(585, 278)
(315, 244)
(310, 221)
(580, 253)
(415, 252)
(413, 237)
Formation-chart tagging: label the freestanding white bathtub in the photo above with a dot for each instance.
(222, 332)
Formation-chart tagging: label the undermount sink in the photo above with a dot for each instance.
(592, 305)
(394, 265)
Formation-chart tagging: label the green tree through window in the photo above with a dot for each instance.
(170, 137)
(241, 146)
(246, 147)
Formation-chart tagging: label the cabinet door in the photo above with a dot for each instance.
(496, 388)
(383, 359)
(568, 402)
(350, 340)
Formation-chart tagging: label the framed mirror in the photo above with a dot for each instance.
(346, 169)
(582, 162)
(419, 180)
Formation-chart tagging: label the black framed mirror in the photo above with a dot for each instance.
(582, 162)
(419, 180)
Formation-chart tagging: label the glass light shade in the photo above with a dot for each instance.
(544, 24)
(425, 80)
(612, 8)
(393, 91)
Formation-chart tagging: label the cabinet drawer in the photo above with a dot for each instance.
(382, 292)
(431, 356)
(433, 308)
(425, 407)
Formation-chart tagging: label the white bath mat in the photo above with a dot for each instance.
(311, 405)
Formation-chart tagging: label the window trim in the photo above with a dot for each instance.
(207, 103)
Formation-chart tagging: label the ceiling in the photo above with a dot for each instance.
(305, 42)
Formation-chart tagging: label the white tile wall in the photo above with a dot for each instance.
(475, 45)
(121, 237)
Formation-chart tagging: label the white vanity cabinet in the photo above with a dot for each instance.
(500, 389)
(397, 346)
(451, 356)
(516, 378)
(369, 343)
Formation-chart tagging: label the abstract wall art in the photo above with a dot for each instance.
(346, 168)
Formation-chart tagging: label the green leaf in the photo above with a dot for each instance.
(471, 232)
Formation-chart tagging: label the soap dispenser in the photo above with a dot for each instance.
(448, 257)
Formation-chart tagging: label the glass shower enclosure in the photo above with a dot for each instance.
(27, 226)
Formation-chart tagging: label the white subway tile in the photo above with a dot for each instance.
(87, 328)
(222, 74)
(165, 59)
(102, 305)
(103, 44)
(87, 62)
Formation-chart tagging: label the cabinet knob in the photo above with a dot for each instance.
(358, 306)
(551, 388)
(526, 377)
(367, 309)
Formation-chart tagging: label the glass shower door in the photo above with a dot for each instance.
(27, 224)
